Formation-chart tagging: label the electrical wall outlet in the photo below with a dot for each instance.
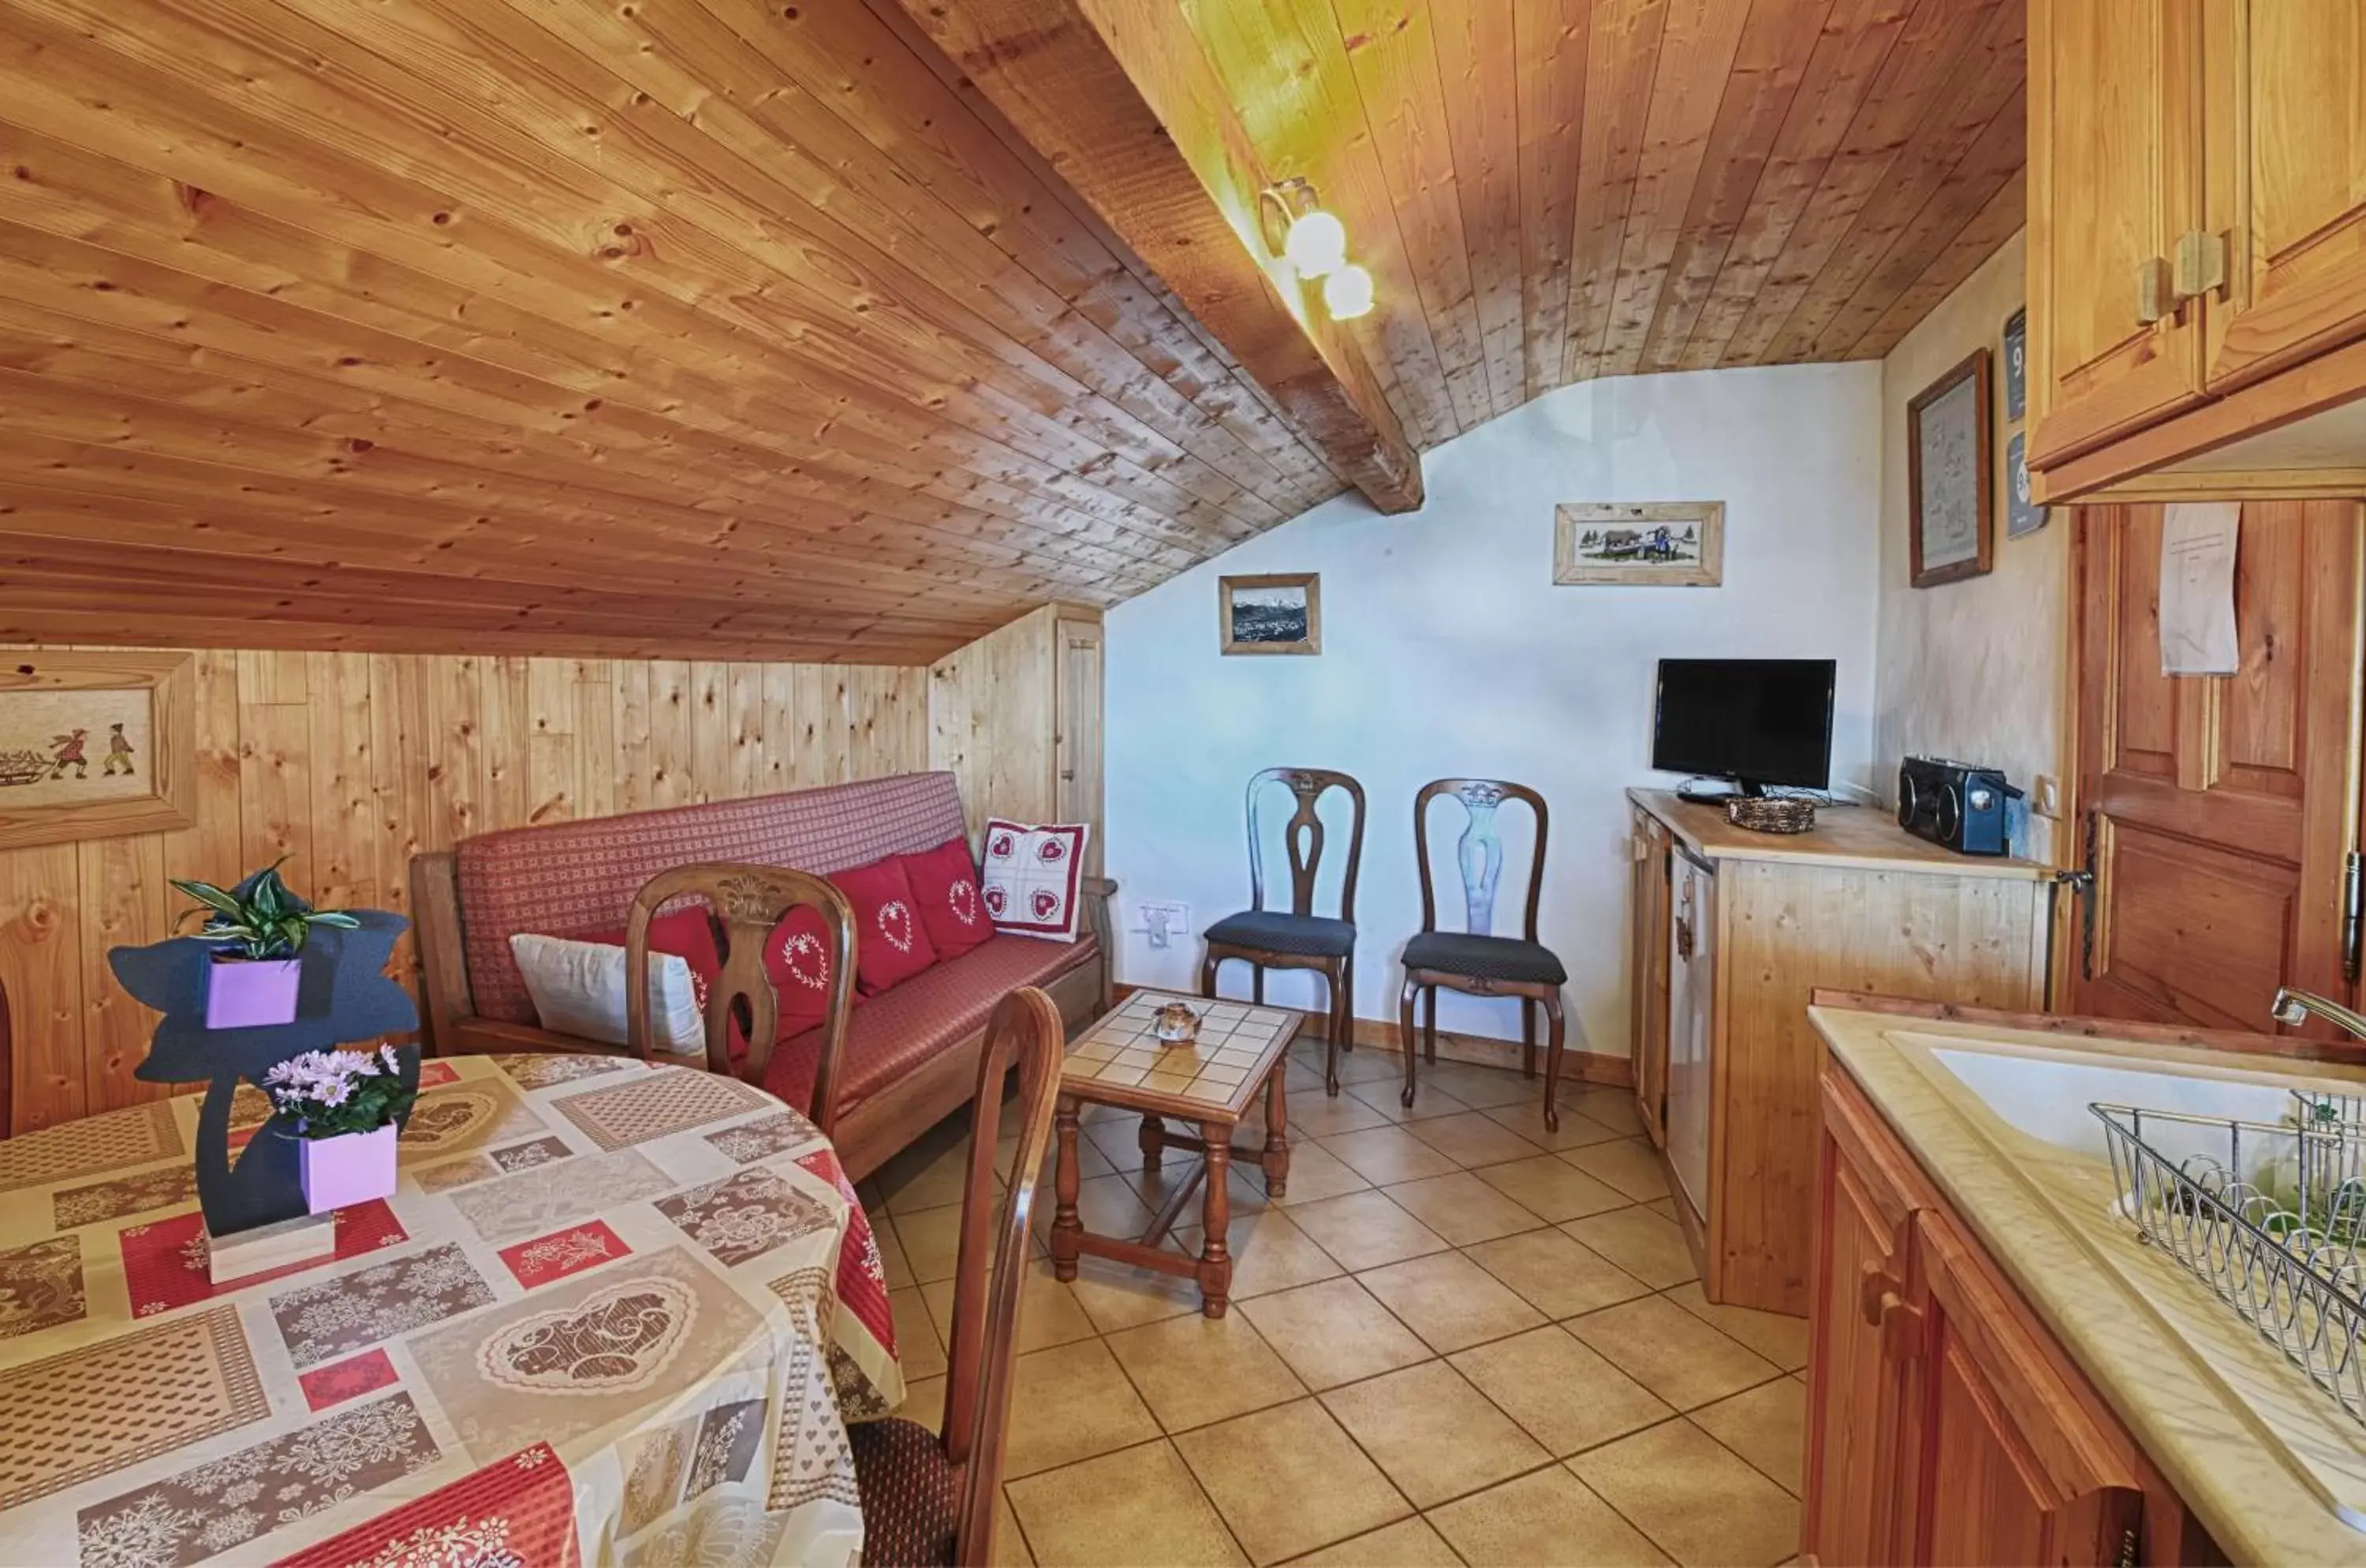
(1165, 924)
(2046, 795)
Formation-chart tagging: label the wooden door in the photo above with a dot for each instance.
(1077, 746)
(2217, 812)
(2115, 180)
(1856, 1384)
(1647, 975)
(2007, 1462)
(1692, 1032)
(2286, 180)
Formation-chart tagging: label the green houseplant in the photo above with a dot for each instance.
(261, 926)
(346, 1105)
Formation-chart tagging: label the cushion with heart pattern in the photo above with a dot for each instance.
(796, 957)
(1031, 879)
(944, 885)
(891, 945)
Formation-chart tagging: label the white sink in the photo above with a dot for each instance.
(2045, 1094)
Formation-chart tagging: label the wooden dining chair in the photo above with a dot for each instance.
(927, 1497)
(1297, 938)
(1474, 960)
(744, 903)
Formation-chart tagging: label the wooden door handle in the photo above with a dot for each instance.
(1874, 1284)
(1683, 937)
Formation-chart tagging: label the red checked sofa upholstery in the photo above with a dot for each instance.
(911, 1051)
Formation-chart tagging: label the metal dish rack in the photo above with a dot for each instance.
(2272, 1216)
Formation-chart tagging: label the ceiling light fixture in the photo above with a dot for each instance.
(1314, 242)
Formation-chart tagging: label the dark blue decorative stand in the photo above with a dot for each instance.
(343, 997)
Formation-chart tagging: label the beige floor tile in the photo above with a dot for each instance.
(1049, 1313)
(1450, 1300)
(1288, 1480)
(1192, 1370)
(1545, 1520)
(918, 1347)
(1671, 1352)
(1697, 1503)
(1316, 1173)
(1408, 1543)
(1528, 1121)
(1365, 1229)
(1558, 1276)
(1650, 1247)
(1380, 1094)
(1766, 1425)
(1009, 1540)
(1332, 1332)
(1072, 1403)
(1782, 1340)
(1434, 1435)
(1462, 1209)
(1090, 1161)
(1269, 1253)
(1631, 1165)
(1551, 1188)
(931, 1242)
(1108, 1205)
(1364, 1064)
(1118, 1296)
(928, 1175)
(1317, 1115)
(1483, 1089)
(1614, 1107)
(1471, 1140)
(892, 1261)
(1117, 1142)
(1566, 1396)
(1383, 1154)
(1142, 1497)
(924, 1402)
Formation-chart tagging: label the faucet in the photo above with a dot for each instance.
(2293, 1007)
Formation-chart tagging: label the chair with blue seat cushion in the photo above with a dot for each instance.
(1297, 938)
(1474, 960)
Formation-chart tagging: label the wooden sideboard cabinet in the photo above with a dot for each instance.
(2197, 235)
(1730, 932)
(1944, 1424)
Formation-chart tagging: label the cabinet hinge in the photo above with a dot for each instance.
(2201, 263)
(2155, 290)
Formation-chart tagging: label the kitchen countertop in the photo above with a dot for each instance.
(1861, 836)
(2162, 1357)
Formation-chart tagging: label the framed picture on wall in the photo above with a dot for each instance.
(95, 745)
(1271, 612)
(1950, 457)
(1656, 543)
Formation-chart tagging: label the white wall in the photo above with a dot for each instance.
(1971, 669)
(1447, 650)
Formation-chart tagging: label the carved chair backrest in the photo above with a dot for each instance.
(743, 903)
(1302, 835)
(1478, 853)
(1025, 1032)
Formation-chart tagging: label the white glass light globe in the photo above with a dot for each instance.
(1347, 293)
(1317, 243)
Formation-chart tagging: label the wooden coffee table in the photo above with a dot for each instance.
(1119, 1061)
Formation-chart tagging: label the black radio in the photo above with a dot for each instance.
(1955, 804)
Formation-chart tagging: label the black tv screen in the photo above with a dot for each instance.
(1761, 721)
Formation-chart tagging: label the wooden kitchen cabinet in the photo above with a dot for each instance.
(1647, 999)
(2197, 244)
(1944, 1423)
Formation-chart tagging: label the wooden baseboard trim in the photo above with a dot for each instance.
(1476, 1050)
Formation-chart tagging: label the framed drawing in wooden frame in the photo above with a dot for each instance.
(95, 745)
(1950, 467)
(1278, 612)
(1654, 543)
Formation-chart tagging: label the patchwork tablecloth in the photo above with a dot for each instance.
(613, 1314)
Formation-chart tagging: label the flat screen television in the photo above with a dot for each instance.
(1756, 721)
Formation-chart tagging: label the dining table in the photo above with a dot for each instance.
(611, 1313)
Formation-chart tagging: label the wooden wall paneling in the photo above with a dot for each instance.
(123, 900)
(504, 735)
(633, 701)
(824, 727)
(992, 717)
(673, 705)
(274, 785)
(42, 968)
(748, 723)
(456, 776)
(597, 775)
(711, 748)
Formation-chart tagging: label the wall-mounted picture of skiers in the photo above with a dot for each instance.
(63, 746)
(1657, 544)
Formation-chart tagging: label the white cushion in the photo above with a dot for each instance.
(1030, 876)
(578, 988)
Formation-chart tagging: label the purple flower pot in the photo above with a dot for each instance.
(251, 993)
(352, 1167)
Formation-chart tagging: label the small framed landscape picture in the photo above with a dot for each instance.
(1272, 612)
(1661, 544)
(1950, 457)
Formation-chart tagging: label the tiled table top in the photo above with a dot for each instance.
(1120, 1061)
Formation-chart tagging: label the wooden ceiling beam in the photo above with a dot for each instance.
(1119, 96)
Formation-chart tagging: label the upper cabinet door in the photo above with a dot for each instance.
(2115, 180)
(2286, 108)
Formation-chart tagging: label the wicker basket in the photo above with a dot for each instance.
(1764, 814)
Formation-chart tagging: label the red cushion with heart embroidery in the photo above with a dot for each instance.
(891, 945)
(796, 957)
(944, 887)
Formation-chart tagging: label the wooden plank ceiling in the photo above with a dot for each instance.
(745, 329)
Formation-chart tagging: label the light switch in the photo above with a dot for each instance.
(1165, 924)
